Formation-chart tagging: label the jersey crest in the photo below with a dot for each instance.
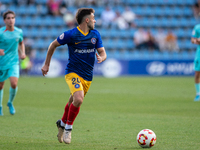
(93, 40)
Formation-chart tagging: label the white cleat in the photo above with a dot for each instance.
(67, 136)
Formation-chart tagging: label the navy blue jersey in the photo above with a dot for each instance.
(82, 48)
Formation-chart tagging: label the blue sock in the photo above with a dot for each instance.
(197, 86)
(1, 97)
(12, 94)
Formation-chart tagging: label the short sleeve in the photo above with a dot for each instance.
(194, 33)
(21, 36)
(64, 38)
(99, 43)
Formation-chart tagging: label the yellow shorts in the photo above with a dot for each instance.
(76, 83)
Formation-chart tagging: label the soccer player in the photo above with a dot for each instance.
(196, 40)
(82, 41)
(11, 48)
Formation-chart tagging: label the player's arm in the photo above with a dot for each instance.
(21, 50)
(194, 40)
(51, 49)
(2, 52)
(101, 56)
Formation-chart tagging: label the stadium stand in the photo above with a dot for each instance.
(176, 15)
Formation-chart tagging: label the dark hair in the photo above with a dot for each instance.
(6, 13)
(82, 12)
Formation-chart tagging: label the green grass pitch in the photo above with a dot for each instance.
(112, 114)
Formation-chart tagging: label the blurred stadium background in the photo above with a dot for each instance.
(41, 28)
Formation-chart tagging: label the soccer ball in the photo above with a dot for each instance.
(146, 138)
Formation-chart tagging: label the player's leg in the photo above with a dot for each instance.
(13, 74)
(62, 122)
(12, 94)
(75, 84)
(197, 85)
(74, 108)
(1, 97)
(65, 115)
(197, 78)
(78, 88)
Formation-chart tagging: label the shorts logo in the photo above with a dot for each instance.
(77, 86)
(93, 40)
(61, 36)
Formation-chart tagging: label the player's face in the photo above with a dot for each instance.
(91, 22)
(10, 20)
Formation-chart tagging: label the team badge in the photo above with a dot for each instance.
(93, 40)
(61, 36)
(77, 86)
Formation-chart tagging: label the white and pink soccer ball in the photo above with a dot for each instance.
(146, 138)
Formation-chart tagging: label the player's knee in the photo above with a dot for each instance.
(78, 98)
(1, 85)
(197, 75)
(78, 101)
(14, 85)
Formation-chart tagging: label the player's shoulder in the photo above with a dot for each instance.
(196, 27)
(71, 31)
(2, 29)
(95, 31)
(66, 35)
(18, 29)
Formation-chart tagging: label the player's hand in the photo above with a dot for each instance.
(198, 40)
(99, 59)
(22, 56)
(45, 69)
(2, 52)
